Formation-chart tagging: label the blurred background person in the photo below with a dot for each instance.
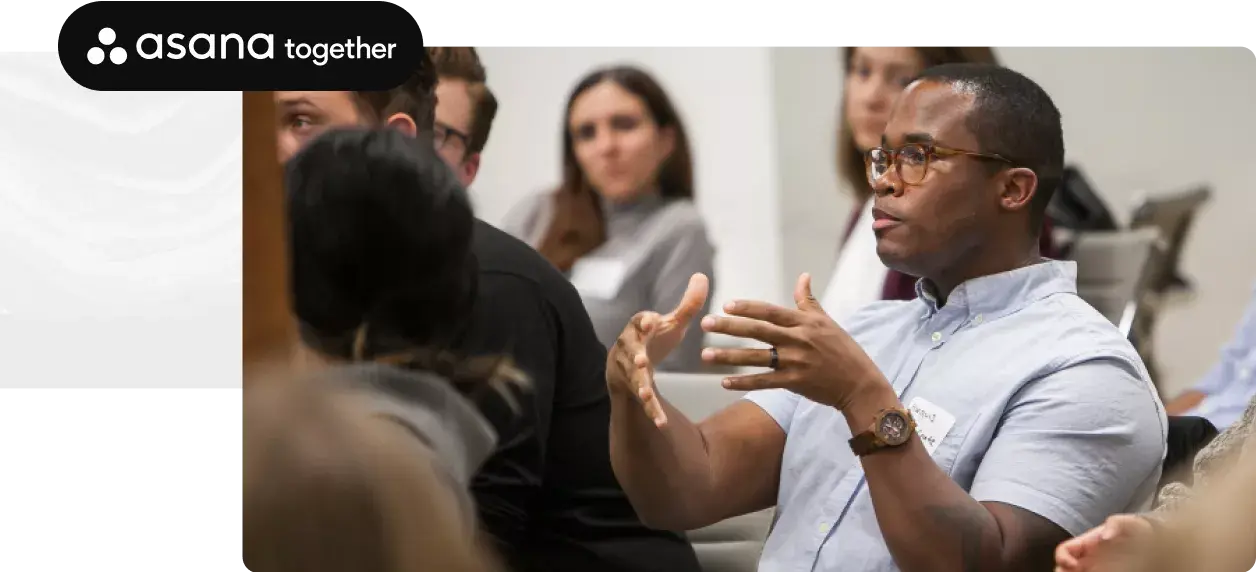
(384, 272)
(465, 108)
(1207, 527)
(1222, 394)
(622, 224)
(403, 273)
(874, 78)
(334, 483)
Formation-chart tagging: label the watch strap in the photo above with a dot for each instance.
(864, 443)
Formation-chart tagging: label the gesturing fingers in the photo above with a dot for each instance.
(746, 328)
(647, 393)
(693, 299)
(645, 323)
(635, 361)
(803, 297)
(738, 357)
(770, 380)
(764, 311)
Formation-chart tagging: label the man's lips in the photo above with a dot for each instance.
(882, 220)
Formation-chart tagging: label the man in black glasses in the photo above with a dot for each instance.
(465, 108)
(972, 428)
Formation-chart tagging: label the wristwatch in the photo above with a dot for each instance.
(891, 428)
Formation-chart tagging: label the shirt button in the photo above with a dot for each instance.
(824, 528)
(936, 336)
(1244, 373)
(979, 318)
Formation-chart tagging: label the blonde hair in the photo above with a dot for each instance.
(1215, 529)
(329, 487)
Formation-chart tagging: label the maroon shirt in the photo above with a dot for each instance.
(899, 286)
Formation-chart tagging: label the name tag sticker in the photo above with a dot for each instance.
(932, 422)
(599, 278)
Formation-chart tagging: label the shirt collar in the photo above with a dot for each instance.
(1001, 294)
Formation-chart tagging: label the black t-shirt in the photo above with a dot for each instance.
(548, 495)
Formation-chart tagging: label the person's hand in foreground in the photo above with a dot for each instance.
(648, 339)
(815, 357)
(1110, 547)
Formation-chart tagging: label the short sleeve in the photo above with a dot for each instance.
(1077, 446)
(780, 404)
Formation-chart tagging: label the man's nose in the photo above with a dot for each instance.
(888, 184)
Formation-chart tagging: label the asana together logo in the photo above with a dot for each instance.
(107, 37)
(238, 46)
(226, 46)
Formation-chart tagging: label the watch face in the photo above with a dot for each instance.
(893, 428)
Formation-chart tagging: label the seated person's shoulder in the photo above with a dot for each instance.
(1078, 331)
(525, 216)
(510, 269)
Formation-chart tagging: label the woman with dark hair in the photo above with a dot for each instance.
(874, 78)
(622, 225)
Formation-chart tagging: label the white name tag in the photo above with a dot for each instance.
(932, 422)
(598, 278)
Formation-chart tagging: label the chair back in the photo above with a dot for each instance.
(1112, 271)
(1173, 215)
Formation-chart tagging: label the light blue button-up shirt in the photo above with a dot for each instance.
(1053, 409)
(1230, 385)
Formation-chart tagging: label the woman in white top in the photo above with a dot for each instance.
(874, 78)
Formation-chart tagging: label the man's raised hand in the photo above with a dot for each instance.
(648, 339)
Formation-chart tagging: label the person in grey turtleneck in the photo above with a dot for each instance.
(622, 225)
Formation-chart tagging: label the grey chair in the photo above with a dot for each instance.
(733, 545)
(1173, 215)
(1112, 271)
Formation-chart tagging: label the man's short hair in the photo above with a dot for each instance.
(464, 64)
(1013, 117)
(416, 97)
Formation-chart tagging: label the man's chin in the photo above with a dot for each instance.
(898, 258)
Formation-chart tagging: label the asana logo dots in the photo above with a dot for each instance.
(96, 55)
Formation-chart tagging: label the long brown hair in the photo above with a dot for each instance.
(577, 226)
(850, 161)
(330, 487)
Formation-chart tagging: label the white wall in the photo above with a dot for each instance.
(762, 121)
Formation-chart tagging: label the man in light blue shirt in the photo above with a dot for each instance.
(973, 428)
(1224, 392)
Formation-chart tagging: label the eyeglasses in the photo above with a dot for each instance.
(444, 133)
(911, 161)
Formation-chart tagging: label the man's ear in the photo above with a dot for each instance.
(403, 123)
(1019, 187)
(471, 167)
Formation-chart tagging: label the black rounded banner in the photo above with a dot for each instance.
(239, 46)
